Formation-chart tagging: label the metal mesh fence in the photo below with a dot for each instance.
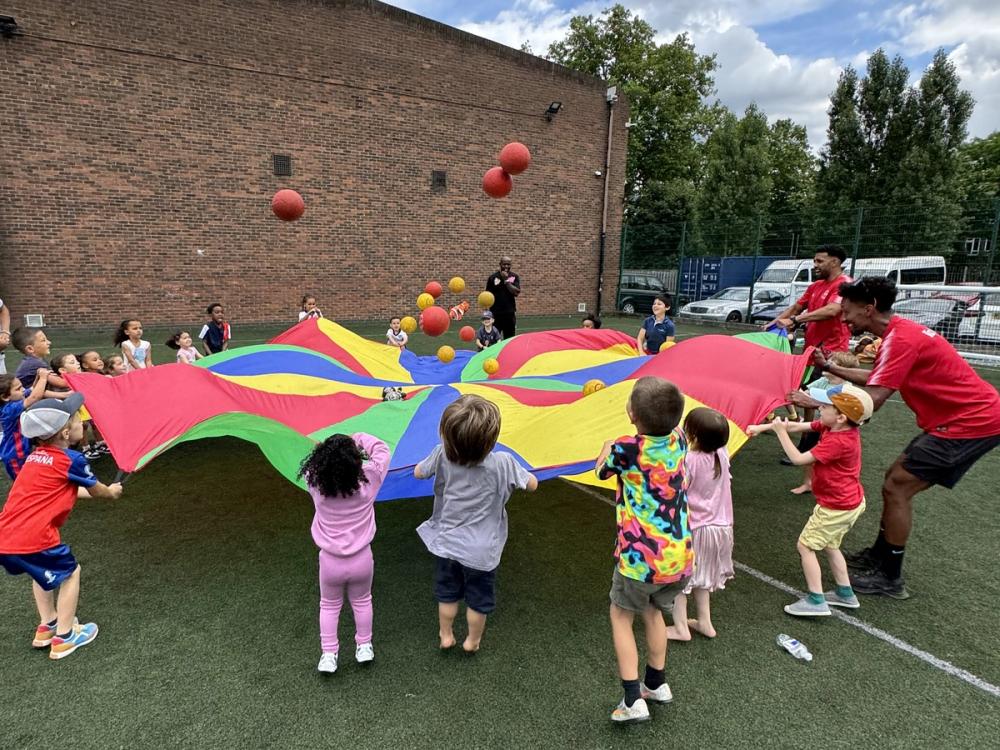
(734, 272)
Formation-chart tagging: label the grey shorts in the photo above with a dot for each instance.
(636, 596)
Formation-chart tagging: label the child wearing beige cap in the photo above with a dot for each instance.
(836, 485)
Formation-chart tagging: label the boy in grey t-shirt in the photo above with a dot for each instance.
(468, 526)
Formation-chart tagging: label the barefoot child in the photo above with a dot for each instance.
(344, 474)
(653, 547)
(467, 529)
(41, 498)
(710, 512)
(840, 498)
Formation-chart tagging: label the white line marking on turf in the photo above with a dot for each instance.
(924, 656)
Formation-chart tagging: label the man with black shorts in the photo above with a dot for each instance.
(819, 306)
(505, 287)
(958, 411)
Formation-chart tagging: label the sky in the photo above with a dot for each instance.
(785, 56)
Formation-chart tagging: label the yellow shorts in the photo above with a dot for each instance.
(826, 528)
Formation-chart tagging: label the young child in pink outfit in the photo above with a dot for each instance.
(344, 474)
(710, 515)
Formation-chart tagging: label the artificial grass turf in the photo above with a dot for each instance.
(203, 579)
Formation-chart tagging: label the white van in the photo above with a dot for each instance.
(793, 276)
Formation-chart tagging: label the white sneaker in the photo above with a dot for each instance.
(327, 663)
(662, 694)
(638, 711)
(365, 653)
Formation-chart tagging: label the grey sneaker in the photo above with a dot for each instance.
(364, 653)
(836, 600)
(662, 694)
(327, 663)
(805, 608)
(638, 711)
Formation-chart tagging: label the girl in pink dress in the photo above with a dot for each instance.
(344, 474)
(710, 513)
(184, 345)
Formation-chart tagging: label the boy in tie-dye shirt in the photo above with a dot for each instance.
(653, 548)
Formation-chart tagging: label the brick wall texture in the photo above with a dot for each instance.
(136, 171)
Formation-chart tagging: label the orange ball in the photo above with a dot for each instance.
(490, 366)
(486, 300)
(434, 320)
(434, 289)
(467, 333)
(288, 205)
(497, 183)
(515, 158)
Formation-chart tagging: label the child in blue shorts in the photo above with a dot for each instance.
(43, 495)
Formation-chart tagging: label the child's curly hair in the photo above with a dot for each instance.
(335, 466)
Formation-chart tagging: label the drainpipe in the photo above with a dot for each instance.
(612, 97)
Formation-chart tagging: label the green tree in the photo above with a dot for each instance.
(979, 169)
(666, 86)
(735, 196)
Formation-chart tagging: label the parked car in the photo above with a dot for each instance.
(943, 313)
(769, 313)
(989, 327)
(730, 304)
(636, 293)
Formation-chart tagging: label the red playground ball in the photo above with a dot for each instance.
(515, 158)
(467, 333)
(497, 183)
(287, 205)
(434, 289)
(435, 320)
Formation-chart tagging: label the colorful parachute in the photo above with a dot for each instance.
(318, 378)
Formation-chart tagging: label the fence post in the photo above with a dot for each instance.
(622, 245)
(753, 275)
(857, 239)
(680, 268)
(989, 268)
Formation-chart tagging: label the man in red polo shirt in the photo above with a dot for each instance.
(958, 411)
(819, 306)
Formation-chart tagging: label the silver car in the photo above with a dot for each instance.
(730, 304)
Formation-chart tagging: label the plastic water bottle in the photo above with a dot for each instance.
(795, 647)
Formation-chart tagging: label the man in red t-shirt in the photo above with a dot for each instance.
(958, 411)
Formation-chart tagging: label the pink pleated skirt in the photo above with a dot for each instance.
(713, 558)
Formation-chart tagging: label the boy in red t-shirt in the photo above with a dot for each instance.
(39, 502)
(836, 484)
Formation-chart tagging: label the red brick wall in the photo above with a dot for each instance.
(136, 134)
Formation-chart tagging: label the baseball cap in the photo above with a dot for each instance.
(487, 315)
(46, 417)
(851, 401)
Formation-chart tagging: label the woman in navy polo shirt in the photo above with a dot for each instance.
(657, 329)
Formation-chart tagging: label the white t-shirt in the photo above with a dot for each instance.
(396, 339)
(139, 353)
(314, 314)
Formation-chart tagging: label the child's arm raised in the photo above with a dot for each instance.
(780, 428)
(791, 427)
(426, 468)
(38, 389)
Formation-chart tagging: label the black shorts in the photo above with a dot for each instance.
(454, 582)
(944, 462)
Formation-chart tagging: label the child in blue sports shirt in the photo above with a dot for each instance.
(43, 495)
(14, 399)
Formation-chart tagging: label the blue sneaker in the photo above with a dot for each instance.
(81, 636)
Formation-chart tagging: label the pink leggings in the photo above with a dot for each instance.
(335, 574)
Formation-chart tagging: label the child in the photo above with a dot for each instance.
(710, 512)
(138, 354)
(467, 529)
(653, 547)
(808, 441)
(114, 365)
(395, 336)
(215, 334)
(90, 361)
(63, 364)
(309, 308)
(14, 399)
(42, 497)
(35, 346)
(182, 342)
(591, 321)
(840, 498)
(487, 334)
(344, 474)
